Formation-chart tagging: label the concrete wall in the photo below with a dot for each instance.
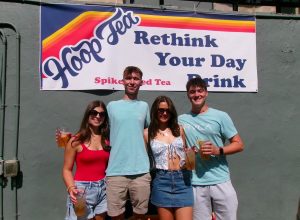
(266, 175)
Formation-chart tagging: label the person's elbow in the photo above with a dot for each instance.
(66, 172)
(240, 145)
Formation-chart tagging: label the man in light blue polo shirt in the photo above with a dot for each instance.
(128, 168)
(213, 191)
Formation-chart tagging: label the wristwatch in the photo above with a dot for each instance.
(221, 151)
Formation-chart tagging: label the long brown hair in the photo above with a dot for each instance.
(154, 123)
(84, 133)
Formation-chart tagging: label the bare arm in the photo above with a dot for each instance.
(236, 145)
(69, 159)
(182, 134)
(146, 138)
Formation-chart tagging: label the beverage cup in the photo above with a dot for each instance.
(190, 159)
(63, 136)
(203, 156)
(80, 206)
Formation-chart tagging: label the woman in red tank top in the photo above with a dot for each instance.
(89, 149)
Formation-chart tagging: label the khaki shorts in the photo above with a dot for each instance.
(118, 188)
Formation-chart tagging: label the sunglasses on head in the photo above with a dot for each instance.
(94, 113)
(163, 110)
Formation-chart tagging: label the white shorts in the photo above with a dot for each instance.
(220, 198)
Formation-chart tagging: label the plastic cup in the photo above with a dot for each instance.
(63, 136)
(203, 156)
(80, 206)
(190, 159)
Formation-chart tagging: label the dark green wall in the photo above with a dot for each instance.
(266, 175)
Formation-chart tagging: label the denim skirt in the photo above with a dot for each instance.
(172, 189)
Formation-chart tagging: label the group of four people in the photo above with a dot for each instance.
(111, 155)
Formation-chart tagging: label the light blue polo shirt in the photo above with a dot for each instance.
(128, 155)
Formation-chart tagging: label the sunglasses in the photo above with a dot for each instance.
(163, 110)
(94, 113)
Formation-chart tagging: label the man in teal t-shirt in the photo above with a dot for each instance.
(210, 128)
(128, 167)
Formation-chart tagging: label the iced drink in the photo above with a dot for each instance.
(63, 137)
(203, 156)
(80, 205)
(190, 159)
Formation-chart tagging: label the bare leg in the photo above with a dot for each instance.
(138, 216)
(119, 217)
(165, 213)
(184, 213)
(100, 216)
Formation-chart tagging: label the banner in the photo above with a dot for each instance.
(86, 47)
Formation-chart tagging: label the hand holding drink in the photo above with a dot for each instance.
(62, 137)
(203, 156)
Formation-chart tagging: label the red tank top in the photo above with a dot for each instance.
(91, 164)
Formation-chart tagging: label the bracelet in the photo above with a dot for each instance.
(70, 187)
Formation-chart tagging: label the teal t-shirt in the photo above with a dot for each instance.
(128, 155)
(213, 125)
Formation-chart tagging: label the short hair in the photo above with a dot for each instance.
(130, 69)
(197, 81)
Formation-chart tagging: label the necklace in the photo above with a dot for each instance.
(164, 133)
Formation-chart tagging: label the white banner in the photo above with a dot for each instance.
(88, 47)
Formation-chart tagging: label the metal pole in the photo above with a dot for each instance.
(3, 86)
(17, 105)
(2, 108)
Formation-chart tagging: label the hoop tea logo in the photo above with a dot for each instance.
(73, 58)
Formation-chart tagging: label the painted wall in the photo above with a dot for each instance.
(266, 175)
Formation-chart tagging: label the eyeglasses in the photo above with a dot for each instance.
(163, 110)
(95, 113)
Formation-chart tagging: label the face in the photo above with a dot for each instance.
(163, 113)
(197, 96)
(96, 117)
(132, 83)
